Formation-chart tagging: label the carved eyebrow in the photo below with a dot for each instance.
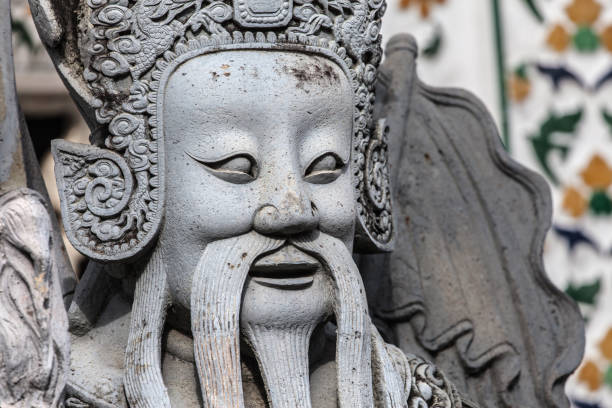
(230, 168)
(217, 159)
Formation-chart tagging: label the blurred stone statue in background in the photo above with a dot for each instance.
(275, 218)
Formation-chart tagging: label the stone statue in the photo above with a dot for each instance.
(34, 268)
(240, 164)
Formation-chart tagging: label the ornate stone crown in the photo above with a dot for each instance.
(112, 198)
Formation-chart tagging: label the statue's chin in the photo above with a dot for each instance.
(288, 302)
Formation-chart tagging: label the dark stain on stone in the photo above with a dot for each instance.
(307, 72)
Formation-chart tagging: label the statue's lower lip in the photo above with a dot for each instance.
(287, 283)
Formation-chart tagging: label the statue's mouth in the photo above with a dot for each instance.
(287, 268)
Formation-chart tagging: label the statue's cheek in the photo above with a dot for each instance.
(335, 203)
(210, 210)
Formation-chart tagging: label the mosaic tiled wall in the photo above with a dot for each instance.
(559, 68)
(554, 60)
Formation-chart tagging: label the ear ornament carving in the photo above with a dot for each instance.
(107, 212)
(375, 231)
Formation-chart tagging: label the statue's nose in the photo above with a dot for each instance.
(294, 214)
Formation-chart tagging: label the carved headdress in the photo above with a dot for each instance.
(113, 197)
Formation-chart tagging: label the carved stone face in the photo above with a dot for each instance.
(254, 140)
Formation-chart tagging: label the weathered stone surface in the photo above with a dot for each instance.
(34, 344)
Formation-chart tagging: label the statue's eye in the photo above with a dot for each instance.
(324, 169)
(238, 169)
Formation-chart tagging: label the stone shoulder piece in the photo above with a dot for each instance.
(467, 287)
(108, 213)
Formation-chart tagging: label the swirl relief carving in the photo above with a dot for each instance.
(105, 216)
(375, 197)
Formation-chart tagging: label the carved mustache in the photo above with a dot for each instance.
(215, 306)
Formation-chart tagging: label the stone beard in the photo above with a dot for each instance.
(258, 232)
(278, 325)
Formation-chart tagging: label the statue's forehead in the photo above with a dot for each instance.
(268, 66)
(248, 93)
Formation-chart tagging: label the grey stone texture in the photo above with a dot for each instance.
(465, 286)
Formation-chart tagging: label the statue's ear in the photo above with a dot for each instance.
(53, 20)
(106, 212)
(375, 230)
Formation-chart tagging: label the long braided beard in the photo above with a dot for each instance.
(216, 295)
